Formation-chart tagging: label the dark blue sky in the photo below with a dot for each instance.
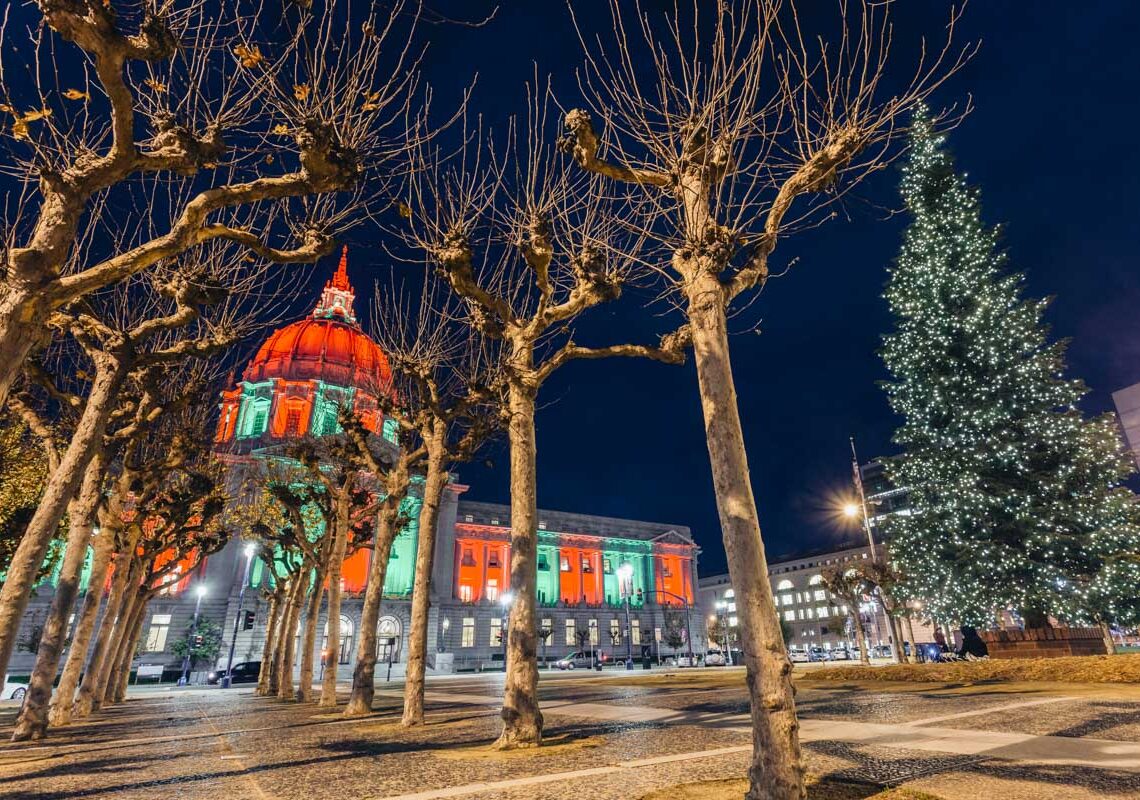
(1052, 144)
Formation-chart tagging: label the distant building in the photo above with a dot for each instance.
(1127, 402)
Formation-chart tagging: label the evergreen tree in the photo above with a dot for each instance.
(1016, 498)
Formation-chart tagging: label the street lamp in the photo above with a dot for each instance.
(199, 593)
(625, 584)
(250, 551)
(852, 510)
(505, 599)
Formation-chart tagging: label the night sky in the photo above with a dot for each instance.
(1052, 144)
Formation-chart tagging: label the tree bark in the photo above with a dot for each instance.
(861, 636)
(776, 772)
(309, 637)
(336, 564)
(23, 319)
(1106, 632)
(64, 699)
(122, 584)
(272, 622)
(60, 488)
(117, 688)
(896, 633)
(522, 719)
(421, 591)
(364, 673)
(32, 722)
(913, 644)
(285, 667)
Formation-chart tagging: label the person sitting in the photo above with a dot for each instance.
(973, 648)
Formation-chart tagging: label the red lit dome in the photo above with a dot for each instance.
(329, 346)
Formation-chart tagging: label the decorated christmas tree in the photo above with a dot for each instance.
(1016, 497)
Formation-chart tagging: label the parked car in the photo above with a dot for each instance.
(14, 691)
(842, 654)
(817, 653)
(881, 651)
(245, 672)
(582, 659)
(798, 656)
(715, 658)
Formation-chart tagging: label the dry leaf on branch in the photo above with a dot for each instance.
(301, 91)
(281, 130)
(75, 94)
(371, 101)
(248, 56)
(157, 86)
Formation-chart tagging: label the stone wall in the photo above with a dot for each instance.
(1044, 642)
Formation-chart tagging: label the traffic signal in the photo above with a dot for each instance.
(247, 620)
(199, 640)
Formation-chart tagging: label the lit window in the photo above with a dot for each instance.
(543, 562)
(729, 593)
(790, 615)
(156, 636)
(564, 564)
(492, 589)
(468, 638)
(820, 594)
(821, 612)
(496, 632)
(635, 631)
(732, 608)
(607, 568)
(465, 593)
(493, 559)
(786, 599)
(732, 622)
(570, 637)
(615, 632)
(586, 565)
(391, 432)
(594, 632)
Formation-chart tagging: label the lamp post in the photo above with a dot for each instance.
(625, 584)
(505, 599)
(851, 510)
(199, 593)
(250, 551)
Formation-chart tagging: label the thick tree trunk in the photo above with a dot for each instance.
(364, 673)
(117, 688)
(60, 488)
(421, 592)
(522, 719)
(33, 720)
(23, 319)
(896, 633)
(336, 591)
(1109, 643)
(861, 636)
(776, 772)
(64, 699)
(114, 617)
(272, 621)
(119, 653)
(285, 669)
(309, 636)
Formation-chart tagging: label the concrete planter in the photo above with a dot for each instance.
(1044, 642)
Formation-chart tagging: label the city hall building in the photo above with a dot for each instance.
(294, 386)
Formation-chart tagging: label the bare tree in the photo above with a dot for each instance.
(725, 133)
(528, 247)
(887, 582)
(229, 121)
(849, 585)
(445, 378)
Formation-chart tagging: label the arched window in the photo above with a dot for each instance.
(256, 417)
(388, 631)
(816, 580)
(782, 585)
(344, 653)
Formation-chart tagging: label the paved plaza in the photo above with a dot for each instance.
(616, 735)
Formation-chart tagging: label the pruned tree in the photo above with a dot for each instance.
(446, 385)
(228, 122)
(528, 247)
(726, 132)
(849, 586)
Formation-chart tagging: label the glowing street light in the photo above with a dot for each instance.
(850, 510)
(199, 593)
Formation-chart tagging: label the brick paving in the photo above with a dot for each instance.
(193, 745)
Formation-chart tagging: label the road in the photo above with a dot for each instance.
(613, 735)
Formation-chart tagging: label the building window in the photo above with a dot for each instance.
(391, 432)
(594, 632)
(819, 594)
(493, 559)
(564, 564)
(821, 612)
(790, 615)
(468, 638)
(729, 594)
(496, 632)
(570, 637)
(293, 420)
(732, 608)
(786, 599)
(465, 593)
(492, 589)
(586, 565)
(543, 562)
(468, 559)
(732, 622)
(156, 636)
(607, 568)
(615, 632)
(635, 631)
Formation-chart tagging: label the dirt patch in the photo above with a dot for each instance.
(1072, 669)
(734, 789)
(551, 746)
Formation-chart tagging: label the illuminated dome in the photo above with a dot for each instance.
(306, 373)
(328, 346)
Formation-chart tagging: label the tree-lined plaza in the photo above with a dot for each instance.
(173, 164)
